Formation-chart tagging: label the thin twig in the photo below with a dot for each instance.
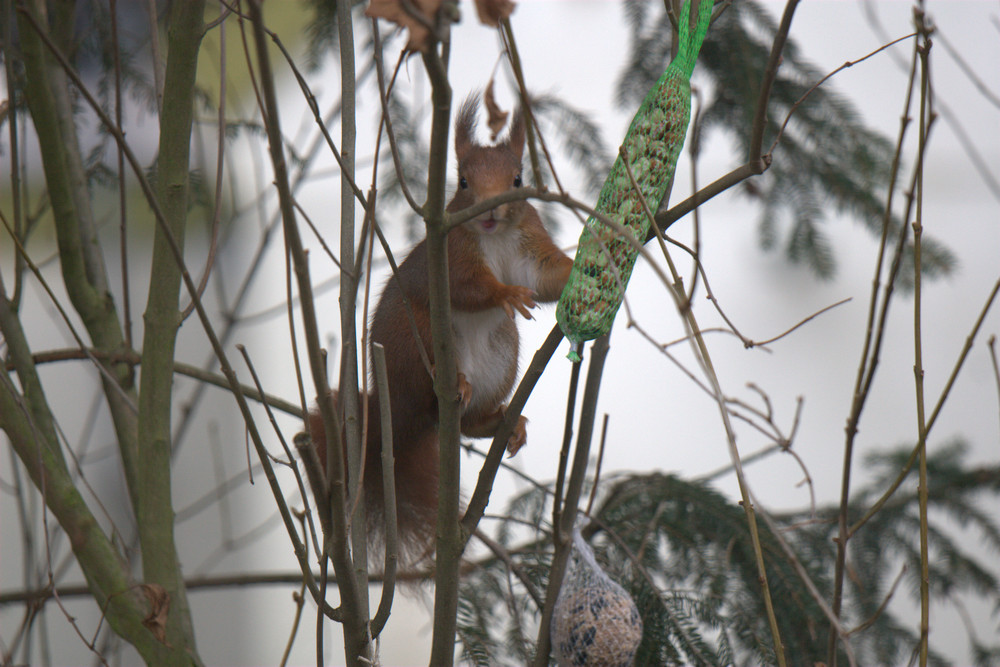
(122, 192)
(388, 493)
(220, 152)
(600, 460)
(562, 533)
(804, 321)
(299, 598)
(926, 117)
(310, 100)
(155, 54)
(281, 438)
(132, 357)
(531, 124)
(945, 392)
(701, 353)
(111, 381)
(487, 474)
(867, 623)
(985, 170)
(384, 93)
(814, 593)
(968, 70)
(694, 151)
(871, 348)
(770, 75)
(991, 343)
(567, 440)
(850, 63)
(503, 554)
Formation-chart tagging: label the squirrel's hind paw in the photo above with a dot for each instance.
(518, 438)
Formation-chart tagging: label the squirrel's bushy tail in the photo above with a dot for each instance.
(416, 483)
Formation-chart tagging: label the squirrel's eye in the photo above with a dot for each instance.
(462, 183)
(517, 181)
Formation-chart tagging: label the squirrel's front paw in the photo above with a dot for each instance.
(520, 299)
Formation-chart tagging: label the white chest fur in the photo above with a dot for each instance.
(508, 262)
(485, 353)
(486, 341)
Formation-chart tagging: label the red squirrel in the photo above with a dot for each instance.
(500, 263)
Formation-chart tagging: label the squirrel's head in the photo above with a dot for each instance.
(487, 171)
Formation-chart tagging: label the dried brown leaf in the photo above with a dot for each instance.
(491, 12)
(159, 607)
(496, 117)
(415, 15)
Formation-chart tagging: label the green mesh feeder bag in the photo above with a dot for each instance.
(605, 256)
(595, 622)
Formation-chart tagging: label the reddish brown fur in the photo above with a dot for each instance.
(475, 288)
(416, 475)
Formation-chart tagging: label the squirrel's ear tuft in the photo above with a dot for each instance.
(465, 126)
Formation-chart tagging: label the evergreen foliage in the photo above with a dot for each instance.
(827, 161)
(321, 34)
(682, 550)
(579, 137)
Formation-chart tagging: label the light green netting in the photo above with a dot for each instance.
(605, 256)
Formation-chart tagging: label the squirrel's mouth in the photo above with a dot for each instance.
(488, 225)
